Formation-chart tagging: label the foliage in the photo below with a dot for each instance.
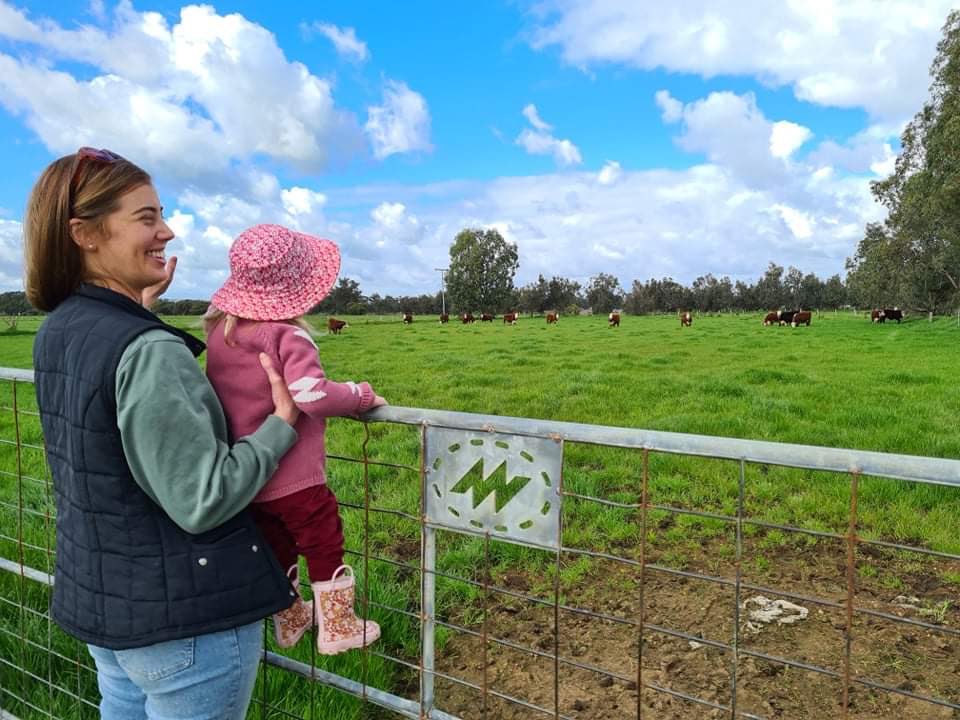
(344, 294)
(604, 293)
(913, 258)
(482, 267)
(15, 303)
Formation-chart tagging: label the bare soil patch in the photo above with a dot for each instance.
(601, 666)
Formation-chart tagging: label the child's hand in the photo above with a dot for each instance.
(378, 401)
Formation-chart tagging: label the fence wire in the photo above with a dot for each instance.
(519, 571)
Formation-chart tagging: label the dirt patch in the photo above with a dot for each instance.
(688, 621)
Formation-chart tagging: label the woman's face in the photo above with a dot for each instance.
(131, 257)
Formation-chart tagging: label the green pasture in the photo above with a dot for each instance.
(843, 382)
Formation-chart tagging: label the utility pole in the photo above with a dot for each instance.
(443, 288)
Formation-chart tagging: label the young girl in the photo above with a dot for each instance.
(276, 276)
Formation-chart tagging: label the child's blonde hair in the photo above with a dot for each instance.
(213, 316)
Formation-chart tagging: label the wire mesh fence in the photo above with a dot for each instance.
(523, 568)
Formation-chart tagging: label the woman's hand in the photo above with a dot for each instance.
(283, 405)
(151, 294)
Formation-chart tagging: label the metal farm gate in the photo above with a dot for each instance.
(498, 599)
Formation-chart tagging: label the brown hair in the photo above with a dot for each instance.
(53, 262)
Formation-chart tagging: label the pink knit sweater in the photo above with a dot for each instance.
(241, 384)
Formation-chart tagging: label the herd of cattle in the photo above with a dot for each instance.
(793, 318)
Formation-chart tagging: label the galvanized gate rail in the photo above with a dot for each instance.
(461, 456)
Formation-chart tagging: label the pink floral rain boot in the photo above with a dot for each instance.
(289, 625)
(338, 627)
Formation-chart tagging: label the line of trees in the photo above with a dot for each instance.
(777, 288)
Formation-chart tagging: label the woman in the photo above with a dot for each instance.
(159, 567)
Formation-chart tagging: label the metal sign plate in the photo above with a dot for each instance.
(507, 485)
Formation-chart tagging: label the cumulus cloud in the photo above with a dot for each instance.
(731, 131)
(787, 137)
(849, 54)
(188, 100)
(11, 255)
(868, 151)
(401, 124)
(540, 141)
(610, 173)
(344, 40)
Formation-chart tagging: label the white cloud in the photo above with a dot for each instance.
(401, 124)
(388, 214)
(731, 131)
(302, 201)
(540, 141)
(846, 54)
(787, 137)
(609, 173)
(530, 113)
(11, 255)
(672, 109)
(344, 40)
(868, 151)
(885, 167)
(187, 100)
(799, 223)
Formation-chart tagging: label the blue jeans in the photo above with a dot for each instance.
(207, 677)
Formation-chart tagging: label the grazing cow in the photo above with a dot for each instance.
(335, 326)
(445, 318)
(407, 318)
(878, 316)
(772, 318)
(552, 318)
(786, 317)
(467, 318)
(613, 320)
(510, 318)
(894, 314)
(686, 319)
(801, 317)
(486, 317)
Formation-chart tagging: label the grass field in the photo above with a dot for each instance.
(842, 383)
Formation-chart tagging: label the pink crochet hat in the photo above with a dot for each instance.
(277, 273)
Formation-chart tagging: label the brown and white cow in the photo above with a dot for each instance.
(686, 319)
(893, 314)
(445, 318)
(510, 318)
(613, 320)
(786, 317)
(801, 317)
(407, 318)
(552, 318)
(772, 318)
(335, 326)
(486, 317)
(877, 316)
(467, 318)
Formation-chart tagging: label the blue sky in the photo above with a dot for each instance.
(604, 136)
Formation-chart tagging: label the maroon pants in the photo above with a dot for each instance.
(305, 523)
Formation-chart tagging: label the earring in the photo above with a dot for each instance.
(90, 246)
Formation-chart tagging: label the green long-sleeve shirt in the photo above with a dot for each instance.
(175, 436)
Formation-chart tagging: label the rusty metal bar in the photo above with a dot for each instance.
(644, 505)
(735, 660)
(851, 590)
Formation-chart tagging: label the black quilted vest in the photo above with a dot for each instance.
(126, 575)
